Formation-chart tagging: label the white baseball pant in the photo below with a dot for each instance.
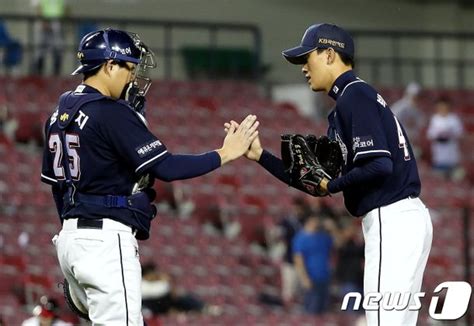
(103, 270)
(397, 244)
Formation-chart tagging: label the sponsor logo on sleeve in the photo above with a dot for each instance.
(148, 148)
(362, 142)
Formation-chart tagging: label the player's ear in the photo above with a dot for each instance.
(108, 67)
(331, 56)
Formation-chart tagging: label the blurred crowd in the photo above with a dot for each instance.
(48, 39)
(319, 252)
(322, 257)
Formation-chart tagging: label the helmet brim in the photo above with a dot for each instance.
(86, 67)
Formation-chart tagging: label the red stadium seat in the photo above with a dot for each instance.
(13, 264)
(37, 285)
(188, 117)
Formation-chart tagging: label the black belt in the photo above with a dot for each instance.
(88, 223)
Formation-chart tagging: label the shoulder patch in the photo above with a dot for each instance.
(148, 148)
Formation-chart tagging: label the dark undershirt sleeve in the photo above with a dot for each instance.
(183, 166)
(366, 170)
(274, 165)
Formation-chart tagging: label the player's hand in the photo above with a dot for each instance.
(324, 185)
(255, 150)
(238, 139)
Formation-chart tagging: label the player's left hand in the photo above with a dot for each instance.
(255, 150)
(239, 139)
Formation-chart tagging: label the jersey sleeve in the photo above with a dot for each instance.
(126, 130)
(47, 169)
(368, 136)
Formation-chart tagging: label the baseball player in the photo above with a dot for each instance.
(100, 159)
(379, 179)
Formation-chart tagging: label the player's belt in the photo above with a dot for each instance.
(98, 224)
(86, 223)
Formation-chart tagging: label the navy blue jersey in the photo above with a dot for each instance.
(365, 127)
(109, 148)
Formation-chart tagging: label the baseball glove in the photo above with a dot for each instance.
(328, 152)
(302, 165)
(73, 302)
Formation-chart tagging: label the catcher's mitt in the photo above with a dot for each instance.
(73, 302)
(305, 172)
(328, 152)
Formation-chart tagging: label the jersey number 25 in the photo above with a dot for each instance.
(56, 147)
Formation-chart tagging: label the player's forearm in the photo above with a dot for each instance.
(182, 166)
(369, 171)
(274, 165)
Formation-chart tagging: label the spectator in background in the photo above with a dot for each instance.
(312, 248)
(321, 207)
(48, 34)
(409, 114)
(160, 297)
(171, 199)
(8, 125)
(444, 131)
(350, 263)
(45, 314)
(12, 49)
(288, 227)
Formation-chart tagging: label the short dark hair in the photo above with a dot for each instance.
(444, 99)
(346, 59)
(148, 268)
(93, 72)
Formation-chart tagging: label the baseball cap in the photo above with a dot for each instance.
(320, 36)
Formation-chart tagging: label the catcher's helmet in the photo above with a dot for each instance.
(111, 44)
(99, 46)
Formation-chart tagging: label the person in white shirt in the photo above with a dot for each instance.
(45, 314)
(408, 113)
(444, 131)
